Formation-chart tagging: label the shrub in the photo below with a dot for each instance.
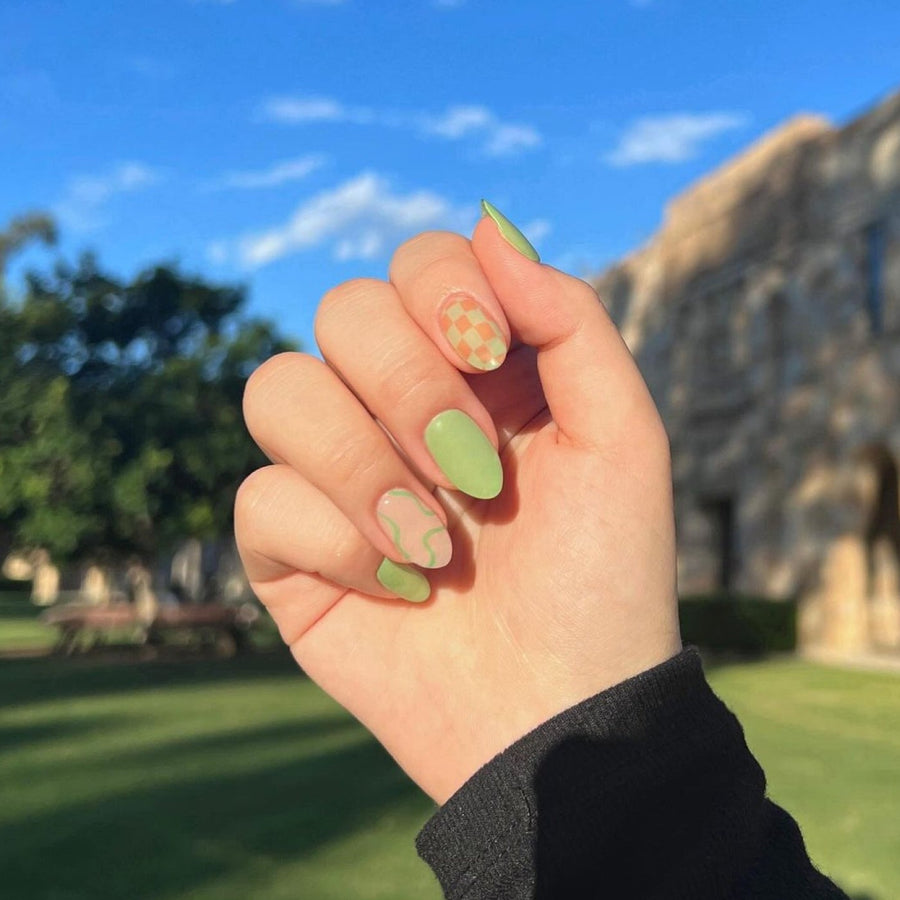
(739, 624)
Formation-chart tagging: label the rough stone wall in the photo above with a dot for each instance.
(748, 313)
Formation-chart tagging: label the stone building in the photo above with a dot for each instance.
(765, 316)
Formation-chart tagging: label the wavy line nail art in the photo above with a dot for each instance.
(415, 529)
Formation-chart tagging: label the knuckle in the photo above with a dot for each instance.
(418, 251)
(352, 459)
(650, 446)
(438, 274)
(340, 303)
(261, 377)
(584, 291)
(657, 439)
(403, 384)
(251, 502)
(269, 379)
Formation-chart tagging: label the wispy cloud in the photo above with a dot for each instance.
(297, 110)
(494, 136)
(497, 138)
(671, 138)
(537, 230)
(508, 140)
(359, 219)
(84, 201)
(277, 174)
(460, 121)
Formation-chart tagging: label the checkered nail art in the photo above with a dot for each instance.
(473, 334)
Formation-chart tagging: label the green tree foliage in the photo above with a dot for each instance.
(120, 409)
(23, 230)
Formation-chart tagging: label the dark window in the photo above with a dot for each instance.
(778, 336)
(884, 515)
(875, 241)
(721, 512)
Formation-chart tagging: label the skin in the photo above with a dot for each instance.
(558, 588)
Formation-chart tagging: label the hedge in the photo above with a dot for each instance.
(739, 624)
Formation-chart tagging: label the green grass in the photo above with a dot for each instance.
(206, 779)
(829, 741)
(219, 780)
(20, 628)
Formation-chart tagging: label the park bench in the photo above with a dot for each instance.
(81, 626)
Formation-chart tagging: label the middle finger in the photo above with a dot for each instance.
(370, 340)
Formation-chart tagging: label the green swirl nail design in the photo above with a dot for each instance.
(415, 529)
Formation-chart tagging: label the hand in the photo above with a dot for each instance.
(559, 587)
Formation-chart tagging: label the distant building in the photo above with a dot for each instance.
(765, 316)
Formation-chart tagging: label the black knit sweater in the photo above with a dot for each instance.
(646, 790)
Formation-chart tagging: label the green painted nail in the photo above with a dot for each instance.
(509, 231)
(404, 581)
(464, 454)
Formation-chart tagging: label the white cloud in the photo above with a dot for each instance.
(361, 218)
(537, 230)
(277, 174)
(671, 138)
(448, 4)
(473, 122)
(294, 110)
(86, 196)
(507, 140)
(460, 121)
(497, 138)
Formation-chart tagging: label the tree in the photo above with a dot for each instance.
(120, 410)
(35, 226)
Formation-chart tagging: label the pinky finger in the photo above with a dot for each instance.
(298, 548)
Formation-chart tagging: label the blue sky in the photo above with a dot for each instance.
(291, 144)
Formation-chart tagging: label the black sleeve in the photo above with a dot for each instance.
(645, 791)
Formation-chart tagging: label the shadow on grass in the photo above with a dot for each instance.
(51, 678)
(170, 838)
(31, 736)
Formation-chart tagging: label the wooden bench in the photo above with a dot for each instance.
(81, 626)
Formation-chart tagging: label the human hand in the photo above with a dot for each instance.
(559, 587)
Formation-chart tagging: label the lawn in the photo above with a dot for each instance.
(237, 778)
(829, 741)
(208, 780)
(20, 628)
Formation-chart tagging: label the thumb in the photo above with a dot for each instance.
(593, 388)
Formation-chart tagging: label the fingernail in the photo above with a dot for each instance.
(464, 454)
(509, 231)
(403, 581)
(472, 333)
(416, 530)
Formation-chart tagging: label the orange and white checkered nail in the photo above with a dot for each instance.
(472, 333)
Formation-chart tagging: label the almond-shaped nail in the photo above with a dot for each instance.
(472, 333)
(404, 581)
(415, 529)
(510, 233)
(464, 454)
